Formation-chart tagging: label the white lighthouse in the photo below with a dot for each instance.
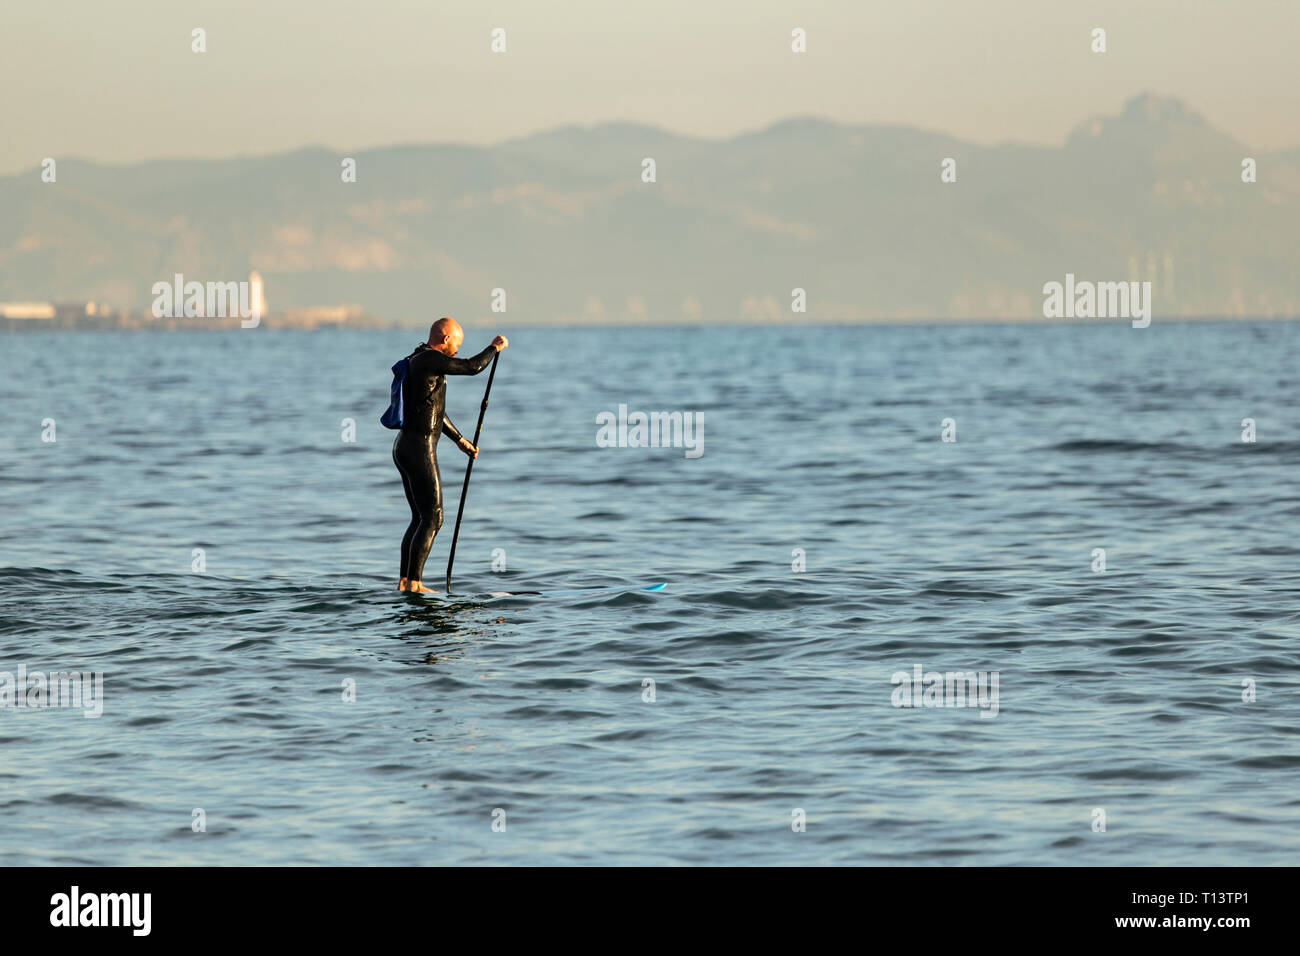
(256, 298)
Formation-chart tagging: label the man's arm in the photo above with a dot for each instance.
(450, 430)
(469, 366)
(454, 434)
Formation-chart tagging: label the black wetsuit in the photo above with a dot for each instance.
(415, 449)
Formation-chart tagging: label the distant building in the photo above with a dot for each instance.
(27, 310)
(73, 314)
(59, 315)
(312, 317)
(256, 297)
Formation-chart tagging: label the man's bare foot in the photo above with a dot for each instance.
(401, 585)
(415, 587)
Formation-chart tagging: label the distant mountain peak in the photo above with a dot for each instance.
(1145, 117)
(1151, 108)
(803, 123)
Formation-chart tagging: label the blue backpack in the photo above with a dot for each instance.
(396, 407)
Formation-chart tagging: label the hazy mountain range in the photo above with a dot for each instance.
(855, 215)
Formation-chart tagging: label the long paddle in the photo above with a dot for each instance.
(460, 512)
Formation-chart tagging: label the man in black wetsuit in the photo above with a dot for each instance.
(415, 450)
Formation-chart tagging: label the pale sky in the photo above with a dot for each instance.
(117, 81)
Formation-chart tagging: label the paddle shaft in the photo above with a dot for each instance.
(469, 468)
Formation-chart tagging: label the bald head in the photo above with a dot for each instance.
(446, 335)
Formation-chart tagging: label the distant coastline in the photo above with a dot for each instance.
(857, 223)
(90, 317)
(308, 320)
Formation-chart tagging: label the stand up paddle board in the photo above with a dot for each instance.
(608, 590)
